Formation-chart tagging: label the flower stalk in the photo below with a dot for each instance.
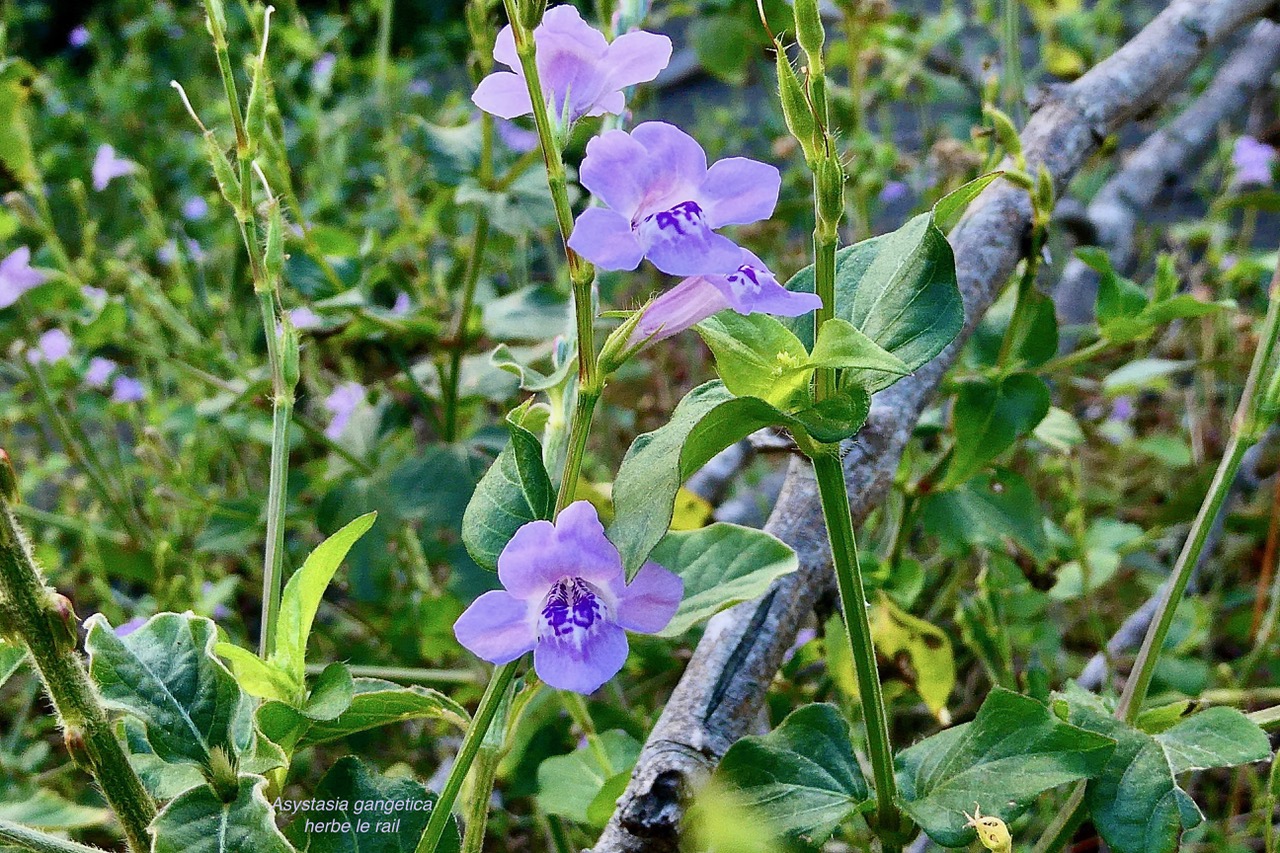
(43, 622)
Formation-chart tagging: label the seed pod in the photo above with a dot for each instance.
(255, 119)
(795, 107)
(217, 21)
(274, 253)
(809, 31)
(829, 183)
(290, 355)
(228, 183)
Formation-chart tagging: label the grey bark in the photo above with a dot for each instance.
(1166, 156)
(724, 685)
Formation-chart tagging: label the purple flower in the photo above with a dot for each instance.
(663, 203)
(1121, 410)
(78, 37)
(107, 167)
(126, 389)
(342, 404)
(893, 191)
(516, 137)
(129, 627)
(96, 296)
(220, 610)
(402, 306)
(566, 599)
(304, 318)
(322, 70)
(582, 74)
(195, 208)
(750, 289)
(420, 87)
(17, 276)
(53, 346)
(1252, 161)
(99, 372)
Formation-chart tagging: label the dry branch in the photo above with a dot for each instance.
(724, 685)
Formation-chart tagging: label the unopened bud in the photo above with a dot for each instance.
(829, 183)
(622, 343)
(809, 31)
(795, 107)
(222, 775)
(8, 479)
(78, 747)
(217, 22)
(63, 621)
(1006, 132)
(1044, 195)
(531, 12)
(992, 831)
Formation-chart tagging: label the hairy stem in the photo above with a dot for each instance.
(42, 621)
(26, 838)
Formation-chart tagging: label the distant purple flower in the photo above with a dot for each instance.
(1252, 161)
(578, 68)
(304, 318)
(99, 372)
(1121, 410)
(894, 191)
(53, 346)
(94, 295)
(516, 137)
(322, 70)
(126, 389)
(168, 253)
(220, 611)
(663, 203)
(17, 276)
(129, 627)
(342, 404)
(402, 306)
(803, 637)
(78, 37)
(750, 289)
(195, 208)
(566, 599)
(420, 87)
(107, 167)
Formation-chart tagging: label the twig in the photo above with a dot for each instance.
(724, 684)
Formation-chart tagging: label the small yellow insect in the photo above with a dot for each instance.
(992, 831)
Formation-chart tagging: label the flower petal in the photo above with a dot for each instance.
(575, 546)
(675, 165)
(605, 238)
(582, 669)
(682, 307)
(614, 171)
(738, 191)
(753, 289)
(650, 600)
(504, 48)
(496, 627)
(503, 94)
(635, 58)
(679, 242)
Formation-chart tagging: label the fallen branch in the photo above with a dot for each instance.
(725, 683)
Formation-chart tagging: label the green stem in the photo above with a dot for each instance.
(384, 51)
(273, 555)
(824, 278)
(579, 428)
(31, 839)
(406, 675)
(844, 552)
(486, 768)
(1065, 823)
(471, 742)
(35, 616)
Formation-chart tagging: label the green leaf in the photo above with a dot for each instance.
(569, 784)
(303, 592)
(529, 314)
(864, 362)
(531, 379)
(256, 676)
(11, 660)
(985, 511)
(1014, 750)
(374, 703)
(331, 695)
(926, 646)
(899, 289)
(1124, 311)
(706, 421)
(953, 202)
(1217, 737)
(989, 417)
(720, 565)
(513, 492)
(49, 811)
(803, 776)
(199, 821)
(375, 814)
(1143, 374)
(757, 356)
(165, 673)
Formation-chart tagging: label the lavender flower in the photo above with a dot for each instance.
(582, 74)
(78, 37)
(402, 307)
(304, 318)
(17, 276)
(107, 167)
(95, 296)
(516, 137)
(1252, 161)
(195, 208)
(342, 404)
(422, 88)
(322, 70)
(129, 627)
(99, 372)
(53, 346)
(894, 191)
(750, 289)
(566, 599)
(663, 203)
(126, 389)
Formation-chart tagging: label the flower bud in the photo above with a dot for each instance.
(992, 831)
(290, 354)
(8, 479)
(255, 119)
(222, 775)
(809, 31)
(78, 747)
(217, 22)
(795, 106)
(829, 184)
(273, 255)
(1006, 132)
(228, 184)
(23, 209)
(531, 12)
(621, 345)
(62, 621)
